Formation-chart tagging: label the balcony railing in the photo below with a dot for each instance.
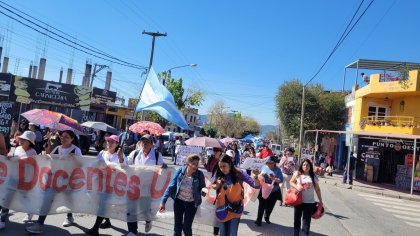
(395, 121)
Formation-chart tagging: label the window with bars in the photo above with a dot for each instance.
(378, 112)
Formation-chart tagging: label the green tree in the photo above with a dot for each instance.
(322, 110)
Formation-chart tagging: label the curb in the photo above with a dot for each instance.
(375, 192)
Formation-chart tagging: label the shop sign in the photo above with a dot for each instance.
(101, 99)
(27, 90)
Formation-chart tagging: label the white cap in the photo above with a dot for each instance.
(29, 135)
(230, 153)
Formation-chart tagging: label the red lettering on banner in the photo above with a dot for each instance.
(3, 172)
(108, 187)
(91, 172)
(60, 174)
(44, 186)
(158, 193)
(22, 185)
(77, 174)
(120, 180)
(134, 184)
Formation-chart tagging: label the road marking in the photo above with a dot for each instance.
(381, 197)
(407, 218)
(397, 207)
(386, 203)
(393, 201)
(413, 224)
(401, 212)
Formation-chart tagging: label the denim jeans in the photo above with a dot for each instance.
(229, 228)
(350, 176)
(184, 217)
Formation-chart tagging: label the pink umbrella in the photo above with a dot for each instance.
(228, 140)
(53, 120)
(204, 142)
(152, 127)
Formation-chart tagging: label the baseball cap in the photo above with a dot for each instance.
(230, 153)
(147, 137)
(28, 135)
(114, 138)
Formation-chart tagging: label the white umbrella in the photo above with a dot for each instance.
(100, 126)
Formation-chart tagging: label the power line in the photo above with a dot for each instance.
(113, 59)
(343, 37)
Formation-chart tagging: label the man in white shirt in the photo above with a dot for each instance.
(148, 156)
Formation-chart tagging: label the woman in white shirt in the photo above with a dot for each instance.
(68, 140)
(112, 154)
(25, 149)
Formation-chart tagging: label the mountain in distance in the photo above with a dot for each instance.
(267, 128)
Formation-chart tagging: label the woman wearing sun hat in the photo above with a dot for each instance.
(26, 149)
(112, 154)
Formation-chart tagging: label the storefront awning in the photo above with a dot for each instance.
(365, 133)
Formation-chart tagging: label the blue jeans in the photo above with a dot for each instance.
(184, 217)
(229, 228)
(350, 176)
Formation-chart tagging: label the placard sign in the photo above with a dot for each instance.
(185, 151)
(253, 163)
(5, 117)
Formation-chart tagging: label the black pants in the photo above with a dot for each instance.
(267, 205)
(184, 217)
(98, 222)
(303, 212)
(41, 219)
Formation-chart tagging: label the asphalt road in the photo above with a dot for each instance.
(348, 212)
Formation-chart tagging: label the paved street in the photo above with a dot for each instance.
(349, 212)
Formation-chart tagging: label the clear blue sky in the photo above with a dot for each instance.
(244, 49)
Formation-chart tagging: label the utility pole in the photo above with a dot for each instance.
(154, 35)
(95, 71)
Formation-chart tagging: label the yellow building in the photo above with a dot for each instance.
(388, 104)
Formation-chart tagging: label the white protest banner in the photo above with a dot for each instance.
(253, 163)
(42, 185)
(185, 151)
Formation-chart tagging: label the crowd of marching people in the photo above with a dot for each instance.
(187, 186)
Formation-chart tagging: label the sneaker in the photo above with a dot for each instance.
(27, 218)
(2, 225)
(267, 220)
(92, 231)
(148, 226)
(68, 222)
(35, 229)
(131, 234)
(106, 225)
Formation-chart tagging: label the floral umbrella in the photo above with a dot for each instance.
(228, 140)
(53, 120)
(152, 127)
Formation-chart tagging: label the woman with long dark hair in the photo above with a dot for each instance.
(305, 181)
(69, 146)
(228, 183)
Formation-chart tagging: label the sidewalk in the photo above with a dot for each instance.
(387, 190)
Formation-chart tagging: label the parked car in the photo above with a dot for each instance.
(167, 137)
(276, 148)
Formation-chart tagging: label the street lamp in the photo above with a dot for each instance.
(168, 71)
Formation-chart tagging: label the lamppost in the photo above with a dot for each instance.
(168, 71)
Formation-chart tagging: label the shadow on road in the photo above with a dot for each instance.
(272, 229)
(340, 217)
